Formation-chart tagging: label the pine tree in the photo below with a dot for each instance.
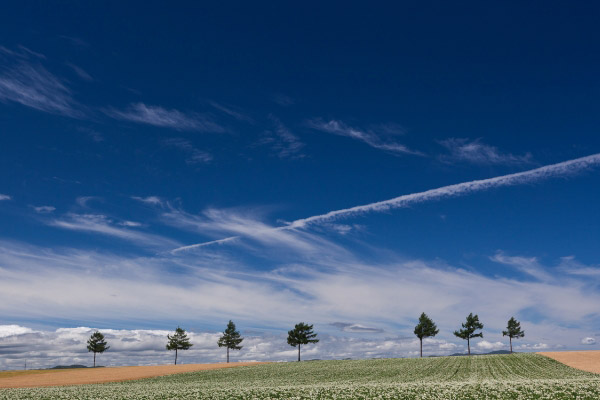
(97, 344)
(179, 341)
(513, 331)
(301, 334)
(424, 329)
(230, 339)
(468, 330)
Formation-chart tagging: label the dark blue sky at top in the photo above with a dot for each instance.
(520, 78)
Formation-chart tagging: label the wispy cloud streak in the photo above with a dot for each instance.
(101, 224)
(44, 209)
(80, 72)
(247, 223)
(231, 112)
(367, 136)
(283, 141)
(480, 153)
(527, 265)
(460, 189)
(194, 155)
(27, 82)
(151, 200)
(159, 116)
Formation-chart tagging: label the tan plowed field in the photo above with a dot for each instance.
(588, 360)
(80, 376)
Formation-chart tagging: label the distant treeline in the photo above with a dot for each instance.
(303, 334)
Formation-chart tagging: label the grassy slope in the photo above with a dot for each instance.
(521, 376)
(439, 369)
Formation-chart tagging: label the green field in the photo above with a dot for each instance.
(518, 376)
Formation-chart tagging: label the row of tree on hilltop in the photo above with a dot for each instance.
(231, 339)
(303, 334)
(471, 329)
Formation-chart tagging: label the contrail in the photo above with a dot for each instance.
(459, 189)
(195, 246)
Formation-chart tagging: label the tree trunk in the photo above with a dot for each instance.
(94, 359)
(228, 355)
(175, 356)
(298, 352)
(469, 345)
(510, 339)
(421, 339)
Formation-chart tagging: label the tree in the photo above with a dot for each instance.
(97, 344)
(468, 330)
(230, 339)
(301, 334)
(425, 328)
(179, 341)
(513, 331)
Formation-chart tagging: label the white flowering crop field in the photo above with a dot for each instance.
(517, 376)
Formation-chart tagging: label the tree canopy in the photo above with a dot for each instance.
(513, 331)
(178, 341)
(425, 328)
(97, 344)
(231, 339)
(468, 330)
(301, 334)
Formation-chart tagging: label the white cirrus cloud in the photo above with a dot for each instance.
(4, 197)
(193, 154)
(103, 225)
(284, 143)
(166, 118)
(24, 80)
(80, 72)
(571, 266)
(83, 201)
(232, 112)
(527, 265)
(130, 223)
(152, 200)
(44, 209)
(367, 136)
(477, 152)
(248, 223)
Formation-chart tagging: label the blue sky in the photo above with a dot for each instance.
(130, 132)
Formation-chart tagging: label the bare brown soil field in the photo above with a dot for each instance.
(81, 376)
(585, 360)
